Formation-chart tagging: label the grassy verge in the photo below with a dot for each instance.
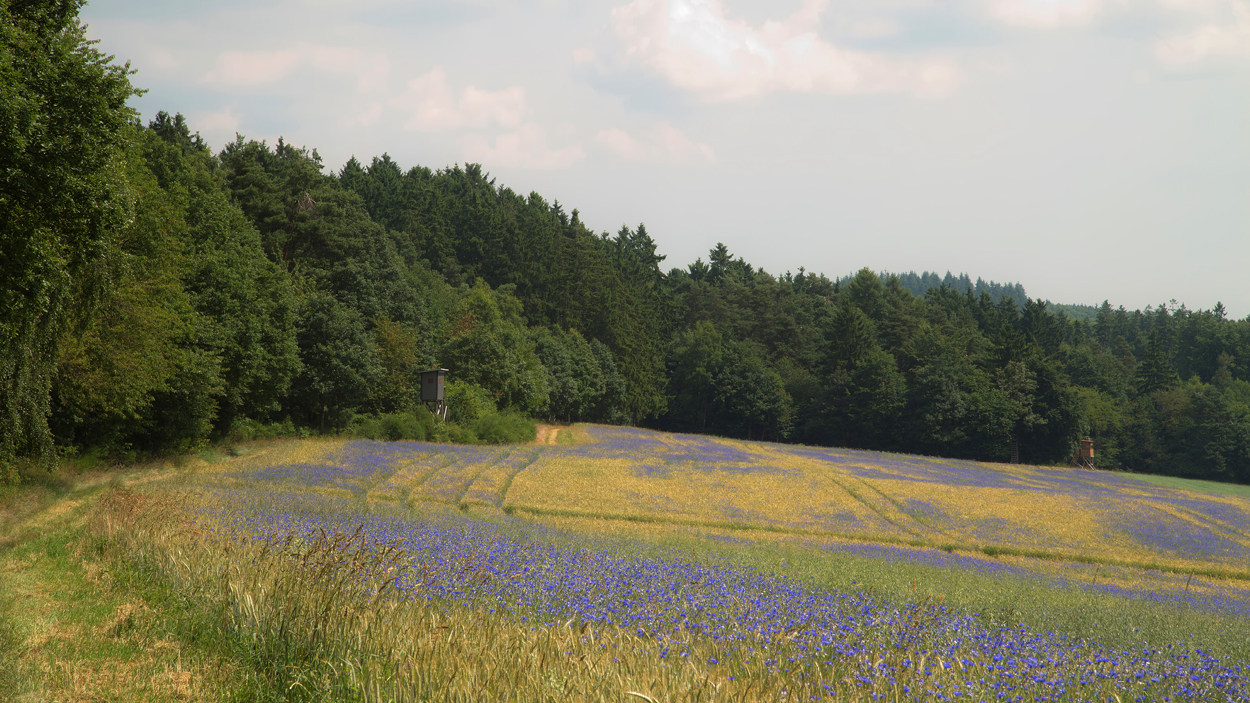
(1226, 489)
(78, 624)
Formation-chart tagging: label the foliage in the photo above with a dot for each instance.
(417, 425)
(574, 377)
(9, 475)
(136, 373)
(62, 198)
(504, 428)
(488, 347)
(340, 361)
(726, 386)
(467, 402)
(458, 222)
(610, 407)
(402, 362)
(248, 430)
(246, 303)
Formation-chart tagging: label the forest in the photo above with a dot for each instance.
(157, 295)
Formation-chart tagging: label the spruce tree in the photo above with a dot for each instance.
(1155, 371)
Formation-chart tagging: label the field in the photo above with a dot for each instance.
(622, 564)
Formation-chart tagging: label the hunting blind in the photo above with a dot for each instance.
(1084, 454)
(433, 387)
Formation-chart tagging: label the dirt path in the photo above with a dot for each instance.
(547, 434)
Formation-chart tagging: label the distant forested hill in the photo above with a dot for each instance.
(920, 284)
(1087, 313)
(157, 295)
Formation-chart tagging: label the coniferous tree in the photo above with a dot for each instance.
(1155, 371)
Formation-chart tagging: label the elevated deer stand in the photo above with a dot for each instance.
(1084, 456)
(432, 386)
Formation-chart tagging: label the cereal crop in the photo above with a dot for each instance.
(493, 532)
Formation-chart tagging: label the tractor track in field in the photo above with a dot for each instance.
(503, 489)
(469, 483)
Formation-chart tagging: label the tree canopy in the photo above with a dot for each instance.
(63, 200)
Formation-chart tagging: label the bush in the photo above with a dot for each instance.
(467, 402)
(504, 429)
(78, 460)
(8, 474)
(461, 435)
(417, 425)
(421, 426)
(245, 429)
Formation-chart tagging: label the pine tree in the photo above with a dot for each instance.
(1155, 371)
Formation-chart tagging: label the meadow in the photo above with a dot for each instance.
(621, 564)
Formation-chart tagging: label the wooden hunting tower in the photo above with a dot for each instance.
(433, 387)
(1084, 454)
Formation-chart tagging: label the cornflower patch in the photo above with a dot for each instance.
(678, 605)
(883, 507)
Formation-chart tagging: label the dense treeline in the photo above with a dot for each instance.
(157, 295)
(868, 364)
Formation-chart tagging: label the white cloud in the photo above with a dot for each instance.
(370, 115)
(220, 122)
(433, 106)
(247, 68)
(1048, 14)
(874, 28)
(583, 55)
(163, 60)
(662, 144)
(1202, 6)
(697, 48)
(253, 67)
(525, 148)
(1212, 41)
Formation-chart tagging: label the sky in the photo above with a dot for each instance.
(1089, 149)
